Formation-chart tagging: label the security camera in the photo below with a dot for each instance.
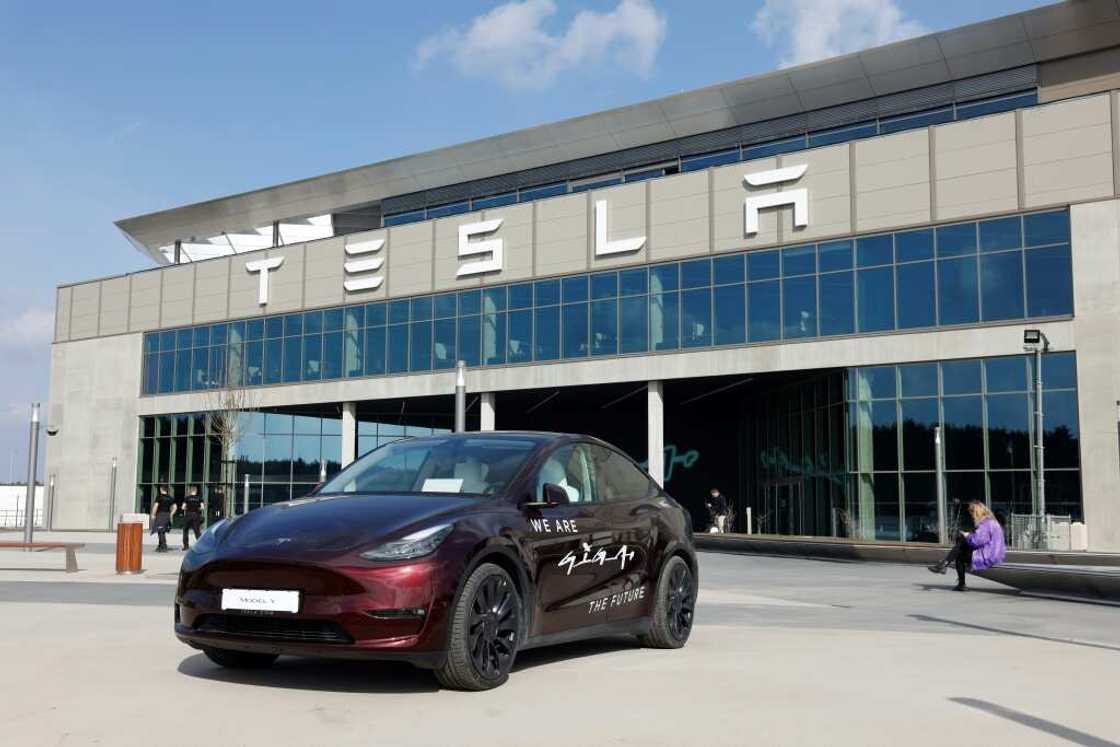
(52, 430)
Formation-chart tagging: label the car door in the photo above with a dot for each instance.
(568, 544)
(632, 502)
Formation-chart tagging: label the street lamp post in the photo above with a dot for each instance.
(460, 397)
(32, 468)
(1035, 341)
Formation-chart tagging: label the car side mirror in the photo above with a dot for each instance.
(554, 495)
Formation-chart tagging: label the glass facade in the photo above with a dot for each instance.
(997, 270)
(851, 453)
(282, 454)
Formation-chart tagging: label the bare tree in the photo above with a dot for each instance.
(226, 403)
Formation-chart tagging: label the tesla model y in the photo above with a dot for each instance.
(451, 552)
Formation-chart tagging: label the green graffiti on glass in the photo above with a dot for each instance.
(673, 458)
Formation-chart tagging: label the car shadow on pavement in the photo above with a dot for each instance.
(322, 675)
(537, 657)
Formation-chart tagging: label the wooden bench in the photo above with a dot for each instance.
(71, 549)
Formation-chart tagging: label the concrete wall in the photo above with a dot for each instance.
(1055, 154)
(93, 402)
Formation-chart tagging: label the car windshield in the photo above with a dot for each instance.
(469, 466)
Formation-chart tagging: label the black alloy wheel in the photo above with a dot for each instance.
(673, 607)
(485, 631)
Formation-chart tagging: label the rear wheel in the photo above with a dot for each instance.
(485, 631)
(239, 659)
(673, 608)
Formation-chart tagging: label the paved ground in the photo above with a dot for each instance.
(785, 651)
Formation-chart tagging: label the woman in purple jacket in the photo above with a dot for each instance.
(976, 550)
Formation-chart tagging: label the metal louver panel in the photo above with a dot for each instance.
(835, 116)
(709, 141)
(774, 129)
(1005, 81)
(915, 101)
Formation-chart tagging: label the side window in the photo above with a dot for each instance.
(570, 468)
(616, 477)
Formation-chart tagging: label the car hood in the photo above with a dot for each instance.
(332, 525)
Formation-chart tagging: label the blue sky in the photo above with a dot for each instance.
(111, 110)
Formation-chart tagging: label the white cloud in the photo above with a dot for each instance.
(513, 44)
(31, 327)
(810, 30)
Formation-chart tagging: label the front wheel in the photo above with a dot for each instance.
(485, 631)
(239, 659)
(674, 606)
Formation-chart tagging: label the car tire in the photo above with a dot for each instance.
(485, 631)
(239, 659)
(673, 607)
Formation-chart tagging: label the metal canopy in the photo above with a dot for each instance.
(1034, 36)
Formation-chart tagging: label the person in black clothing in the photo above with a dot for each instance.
(717, 508)
(193, 507)
(163, 510)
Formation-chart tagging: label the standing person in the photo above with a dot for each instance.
(163, 510)
(193, 507)
(717, 509)
(977, 550)
(217, 505)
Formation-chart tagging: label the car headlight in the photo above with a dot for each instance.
(411, 546)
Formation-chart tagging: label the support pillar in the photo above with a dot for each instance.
(655, 430)
(487, 413)
(349, 432)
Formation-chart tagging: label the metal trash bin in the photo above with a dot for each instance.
(130, 546)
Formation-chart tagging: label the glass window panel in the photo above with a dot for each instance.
(376, 314)
(312, 357)
(915, 121)
(964, 442)
(953, 241)
(837, 302)
(307, 425)
(730, 307)
(1010, 492)
(444, 305)
(481, 203)
(151, 342)
(292, 362)
(520, 336)
(633, 282)
(763, 265)
(921, 507)
(918, 379)
(1001, 233)
(1063, 493)
(422, 309)
(843, 134)
(696, 274)
(376, 359)
(574, 289)
(167, 341)
(991, 106)
(883, 490)
(402, 218)
(355, 317)
(696, 318)
(273, 361)
(1049, 282)
(420, 348)
(799, 307)
(398, 348)
(278, 457)
(217, 374)
(494, 339)
(664, 278)
(762, 150)
(494, 300)
(521, 296)
(604, 285)
(441, 211)
(254, 363)
(875, 250)
(575, 320)
(273, 327)
(1060, 426)
(470, 339)
(1009, 423)
(293, 325)
(960, 488)
(604, 327)
(443, 346)
(877, 382)
(166, 372)
(876, 299)
(597, 184)
(914, 245)
(151, 374)
(884, 434)
(547, 292)
(664, 321)
(1001, 286)
(353, 352)
(960, 377)
(836, 255)
(919, 418)
(633, 324)
(183, 370)
(763, 311)
(545, 190)
(201, 337)
(200, 368)
(546, 343)
(1059, 371)
(640, 176)
(916, 301)
(184, 339)
(799, 260)
(1006, 374)
(332, 455)
(398, 311)
(695, 163)
(727, 270)
(1046, 228)
(957, 295)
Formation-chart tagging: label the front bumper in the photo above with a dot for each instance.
(384, 612)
